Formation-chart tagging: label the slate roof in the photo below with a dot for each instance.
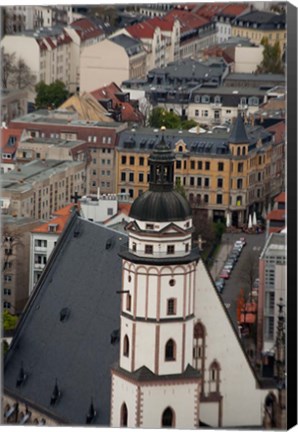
(132, 46)
(238, 134)
(263, 19)
(87, 286)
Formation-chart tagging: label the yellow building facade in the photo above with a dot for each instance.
(236, 181)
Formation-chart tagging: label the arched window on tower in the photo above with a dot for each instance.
(170, 350)
(168, 418)
(126, 346)
(238, 151)
(199, 346)
(214, 377)
(123, 415)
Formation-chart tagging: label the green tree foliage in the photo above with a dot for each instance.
(179, 188)
(272, 59)
(9, 321)
(160, 117)
(50, 95)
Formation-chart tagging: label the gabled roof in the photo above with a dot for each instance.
(238, 134)
(82, 275)
(86, 29)
(9, 139)
(233, 9)
(143, 30)
(279, 130)
(128, 112)
(87, 108)
(188, 20)
(60, 219)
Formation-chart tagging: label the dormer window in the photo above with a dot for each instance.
(52, 227)
(149, 227)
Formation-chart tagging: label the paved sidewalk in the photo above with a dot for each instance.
(220, 258)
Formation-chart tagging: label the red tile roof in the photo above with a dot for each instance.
(234, 9)
(164, 25)
(209, 10)
(60, 220)
(6, 133)
(128, 113)
(143, 30)
(282, 197)
(86, 29)
(188, 20)
(277, 215)
(279, 130)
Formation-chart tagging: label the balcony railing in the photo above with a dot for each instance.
(156, 254)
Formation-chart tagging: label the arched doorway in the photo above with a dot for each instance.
(124, 415)
(168, 418)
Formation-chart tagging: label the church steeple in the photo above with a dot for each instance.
(238, 134)
(161, 164)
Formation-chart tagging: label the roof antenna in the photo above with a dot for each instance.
(56, 393)
(91, 413)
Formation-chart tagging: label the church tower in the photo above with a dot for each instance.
(154, 384)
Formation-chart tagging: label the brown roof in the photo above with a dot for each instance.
(86, 29)
(87, 108)
(279, 131)
(282, 197)
(60, 220)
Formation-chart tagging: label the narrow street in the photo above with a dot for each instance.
(236, 282)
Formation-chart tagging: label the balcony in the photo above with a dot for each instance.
(39, 266)
(159, 257)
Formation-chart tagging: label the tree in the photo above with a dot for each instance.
(179, 188)
(188, 124)
(9, 321)
(7, 67)
(22, 76)
(50, 95)
(272, 59)
(248, 271)
(160, 117)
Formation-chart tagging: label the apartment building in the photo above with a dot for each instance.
(40, 187)
(43, 239)
(272, 288)
(54, 52)
(115, 59)
(14, 102)
(9, 140)
(15, 261)
(101, 138)
(256, 25)
(220, 172)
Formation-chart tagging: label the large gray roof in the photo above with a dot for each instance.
(238, 134)
(82, 275)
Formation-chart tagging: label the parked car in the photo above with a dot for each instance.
(232, 260)
(224, 274)
(243, 240)
(238, 245)
(220, 283)
(234, 256)
(228, 268)
(236, 252)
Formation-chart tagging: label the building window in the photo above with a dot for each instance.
(7, 291)
(123, 176)
(199, 181)
(200, 165)
(126, 346)
(171, 307)
(141, 177)
(141, 161)
(219, 182)
(6, 305)
(206, 182)
(7, 278)
(186, 247)
(240, 167)
(214, 371)
(197, 113)
(134, 247)
(192, 165)
(128, 302)
(178, 164)
(170, 350)
(148, 249)
(207, 166)
(218, 199)
(172, 282)
(149, 226)
(239, 184)
(239, 200)
(206, 198)
(220, 166)
(123, 160)
(131, 177)
(170, 249)
(131, 160)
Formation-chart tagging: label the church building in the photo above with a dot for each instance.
(129, 330)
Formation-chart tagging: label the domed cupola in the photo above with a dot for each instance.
(161, 203)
